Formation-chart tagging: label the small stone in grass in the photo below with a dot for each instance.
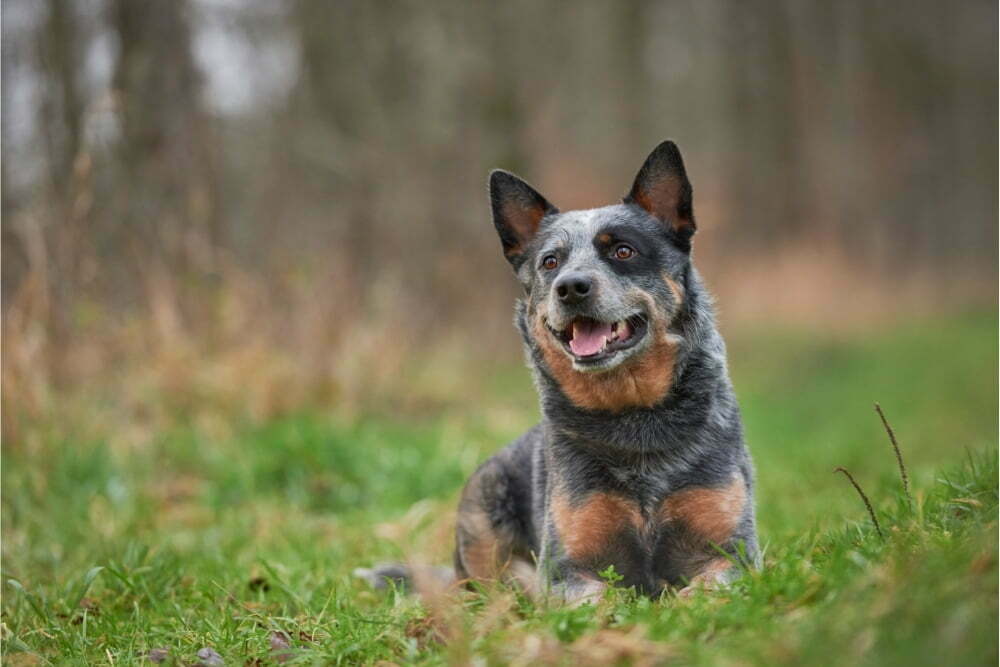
(207, 657)
(157, 654)
(280, 646)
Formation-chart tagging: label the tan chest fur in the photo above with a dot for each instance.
(585, 528)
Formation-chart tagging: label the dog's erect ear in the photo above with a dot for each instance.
(662, 188)
(517, 212)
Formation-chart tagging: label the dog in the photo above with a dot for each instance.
(639, 461)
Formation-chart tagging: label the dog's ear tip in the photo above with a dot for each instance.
(503, 183)
(502, 177)
(667, 150)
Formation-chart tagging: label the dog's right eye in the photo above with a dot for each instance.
(550, 262)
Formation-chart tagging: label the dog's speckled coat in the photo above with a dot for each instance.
(639, 461)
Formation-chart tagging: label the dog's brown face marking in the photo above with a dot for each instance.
(586, 528)
(640, 382)
(712, 514)
(677, 290)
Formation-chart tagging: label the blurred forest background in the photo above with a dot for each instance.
(266, 205)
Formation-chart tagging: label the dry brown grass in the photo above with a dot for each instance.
(250, 345)
(255, 342)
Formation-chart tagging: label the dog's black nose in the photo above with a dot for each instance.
(573, 287)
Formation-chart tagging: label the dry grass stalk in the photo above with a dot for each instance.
(899, 456)
(871, 511)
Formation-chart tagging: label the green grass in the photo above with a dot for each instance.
(234, 538)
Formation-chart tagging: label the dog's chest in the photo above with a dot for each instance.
(650, 534)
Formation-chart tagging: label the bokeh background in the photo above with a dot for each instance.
(276, 204)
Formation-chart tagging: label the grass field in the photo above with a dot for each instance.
(238, 539)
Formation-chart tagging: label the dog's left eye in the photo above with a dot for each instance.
(623, 251)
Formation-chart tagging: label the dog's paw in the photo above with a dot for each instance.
(689, 591)
(407, 578)
(380, 576)
(713, 579)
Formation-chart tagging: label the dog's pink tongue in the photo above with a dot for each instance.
(588, 337)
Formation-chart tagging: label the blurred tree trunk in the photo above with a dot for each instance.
(332, 104)
(166, 151)
(632, 19)
(56, 236)
(62, 107)
(766, 176)
(167, 194)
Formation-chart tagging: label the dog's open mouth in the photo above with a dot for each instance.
(590, 340)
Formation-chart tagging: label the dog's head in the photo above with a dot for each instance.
(602, 285)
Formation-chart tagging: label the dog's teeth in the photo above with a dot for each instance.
(615, 328)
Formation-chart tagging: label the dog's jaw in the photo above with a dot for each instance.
(628, 340)
(639, 376)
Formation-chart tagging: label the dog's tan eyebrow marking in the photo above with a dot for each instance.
(587, 527)
(604, 238)
(711, 513)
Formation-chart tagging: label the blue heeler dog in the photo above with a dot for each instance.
(639, 460)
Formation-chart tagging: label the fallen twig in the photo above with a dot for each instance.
(899, 456)
(871, 512)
